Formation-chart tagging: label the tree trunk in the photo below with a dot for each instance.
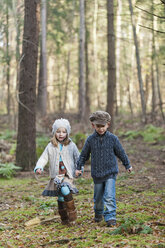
(129, 99)
(118, 33)
(87, 95)
(95, 50)
(152, 66)
(58, 101)
(147, 88)
(138, 63)
(17, 19)
(111, 62)
(42, 86)
(159, 93)
(7, 60)
(67, 81)
(26, 144)
(82, 63)
(127, 79)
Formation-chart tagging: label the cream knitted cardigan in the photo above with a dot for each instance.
(51, 154)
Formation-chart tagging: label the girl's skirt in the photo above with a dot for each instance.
(54, 186)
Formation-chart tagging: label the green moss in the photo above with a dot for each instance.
(25, 202)
(150, 193)
(149, 134)
(16, 182)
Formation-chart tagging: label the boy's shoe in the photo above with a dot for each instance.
(98, 218)
(111, 223)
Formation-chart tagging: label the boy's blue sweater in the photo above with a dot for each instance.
(104, 150)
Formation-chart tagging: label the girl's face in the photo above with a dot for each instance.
(61, 134)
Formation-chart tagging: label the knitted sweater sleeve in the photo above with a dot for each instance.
(84, 156)
(76, 154)
(43, 160)
(120, 153)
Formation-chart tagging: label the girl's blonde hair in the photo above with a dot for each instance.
(54, 141)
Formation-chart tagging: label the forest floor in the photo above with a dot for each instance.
(140, 206)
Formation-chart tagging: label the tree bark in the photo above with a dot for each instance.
(42, 86)
(87, 95)
(95, 50)
(118, 32)
(159, 93)
(67, 81)
(7, 60)
(82, 63)
(138, 63)
(26, 144)
(152, 66)
(111, 85)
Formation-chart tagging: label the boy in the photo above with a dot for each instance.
(104, 147)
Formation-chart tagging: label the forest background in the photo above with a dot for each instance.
(67, 59)
(76, 57)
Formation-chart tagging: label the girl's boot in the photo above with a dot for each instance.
(63, 212)
(70, 206)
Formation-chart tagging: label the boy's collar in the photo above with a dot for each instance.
(97, 134)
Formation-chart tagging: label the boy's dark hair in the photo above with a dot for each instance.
(100, 117)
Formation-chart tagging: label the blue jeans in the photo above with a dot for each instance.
(104, 196)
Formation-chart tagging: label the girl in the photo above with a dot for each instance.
(62, 155)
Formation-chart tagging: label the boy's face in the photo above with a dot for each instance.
(100, 129)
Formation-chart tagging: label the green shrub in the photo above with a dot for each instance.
(7, 134)
(149, 134)
(79, 139)
(153, 134)
(41, 143)
(7, 170)
(13, 149)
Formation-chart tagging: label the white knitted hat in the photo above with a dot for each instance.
(61, 123)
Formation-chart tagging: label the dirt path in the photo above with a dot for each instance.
(148, 161)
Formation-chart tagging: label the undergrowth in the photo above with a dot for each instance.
(149, 134)
(22, 201)
(8, 170)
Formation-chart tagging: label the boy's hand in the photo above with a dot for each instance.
(38, 171)
(130, 169)
(78, 173)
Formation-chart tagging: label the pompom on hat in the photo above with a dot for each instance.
(61, 123)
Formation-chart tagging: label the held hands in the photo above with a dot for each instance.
(78, 173)
(130, 169)
(39, 171)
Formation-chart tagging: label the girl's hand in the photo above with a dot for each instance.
(130, 169)
(38, 171)
(78, 172)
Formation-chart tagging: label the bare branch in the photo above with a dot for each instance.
(163, 1)
(162, 17)
(161, 32)
(21, 103)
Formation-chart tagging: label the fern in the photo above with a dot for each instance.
(131, 226)
(7, 170)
